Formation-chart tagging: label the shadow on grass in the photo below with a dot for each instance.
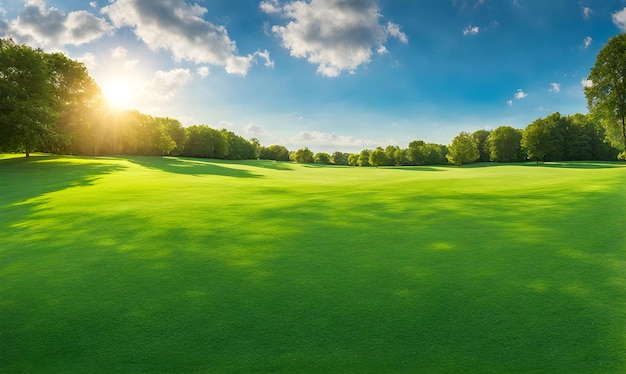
(268, 164)
(26, 178)
(579, 165)
(415, 282)
(416, 168)
(192, 166)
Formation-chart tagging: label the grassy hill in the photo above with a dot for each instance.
(145, 264)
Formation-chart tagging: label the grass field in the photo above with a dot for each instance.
(180, 265)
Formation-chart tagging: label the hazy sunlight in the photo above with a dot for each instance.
(118, 93)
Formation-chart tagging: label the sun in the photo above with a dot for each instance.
(118, 93)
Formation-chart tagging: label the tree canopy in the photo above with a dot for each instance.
(606, 93)
(463, 149)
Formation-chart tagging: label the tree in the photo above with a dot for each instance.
(416, 152)
(536, 140)
(378, 157)
(353, 159)
(463, 150)
(274, 152)
(29, 103)
(505, 144)
(322, 158)
(339, 158)
(480, 137)
(303, 156)
(606, 95)
(364, 158)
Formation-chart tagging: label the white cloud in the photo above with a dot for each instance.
(253, 129)
(619, 19)
(88, 59)
(335, 35)
(266, 56)
(270, 7)
(471, 30)
(520, 94)
(587, 42)
(119, 52)
(586, 83)
(509, 102)
(394, 31)
(93, 4)
(555, 87)
(587, 12)
(203, 71)
(178, 27)
(53, 28)
(166, 84)
(324, 139)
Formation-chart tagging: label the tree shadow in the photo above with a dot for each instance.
(26, 178)
(191, 166)
(579, 165)
(268, 164)
(415, 168)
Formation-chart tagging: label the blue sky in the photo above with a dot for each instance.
(331, 74)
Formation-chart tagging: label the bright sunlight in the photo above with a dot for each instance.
(118, 93)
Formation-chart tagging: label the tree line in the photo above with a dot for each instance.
(51, 104)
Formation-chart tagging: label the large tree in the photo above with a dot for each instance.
(29, 104)
(606, 91)
(463, 149)
(505, 144)
(303, 156)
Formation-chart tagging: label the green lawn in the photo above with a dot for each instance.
(184, 265)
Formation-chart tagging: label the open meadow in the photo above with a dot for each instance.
(148, 264)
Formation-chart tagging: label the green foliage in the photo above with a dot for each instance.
(274, 152)
(606, 96)
(505, 145)
(480, 137)
(339, 158)
(203, 141)
(421, 153)
(303, 156)
(353, 159)
(364, 158)
(463, 150)
(30, 102)
(569, 138)
(322, 158)
(379, 157)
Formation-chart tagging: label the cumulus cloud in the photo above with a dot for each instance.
(253, 129)
(324, 139)
(53, 28)
(335, 35)
(555, 87)
(270, 7)
(178, 27)
(520, 94)
(587, 42)
(586, 83)
(471, 30)
(587, 12)
(226, 124)
(509, 102)
(619, 19)
(203, 71)
(167, 84)
(119, 52)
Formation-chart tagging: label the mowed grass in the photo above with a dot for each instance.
(185, 265)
